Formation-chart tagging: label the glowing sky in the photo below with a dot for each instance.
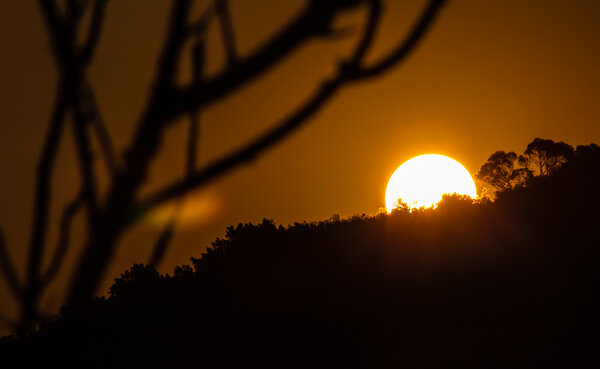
(491, 75)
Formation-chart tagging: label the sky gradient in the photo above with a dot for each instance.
(490, 75)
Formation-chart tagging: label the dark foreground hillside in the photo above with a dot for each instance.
(506, 284)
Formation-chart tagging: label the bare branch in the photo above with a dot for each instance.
(176, 37)
(63, 239)
(348, 73)
(245, 154)
(168, 102)
(85, 158)
(199, 26)
(8, 270)
(339, 33)
(62, 32)
(365, 42)
(74, 11)
(167, 234)
(165, 237)
(197, 61)
(101, 245)
(401, 51)
(93, 35)
(31, 292)
(227, 31)
(51, 16)
(42, 204)
(94, 116)
(192, 146)
(152, 124)
(313, 21)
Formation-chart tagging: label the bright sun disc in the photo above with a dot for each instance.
(423, 180)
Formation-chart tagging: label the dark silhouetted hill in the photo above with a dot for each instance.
(506, 284)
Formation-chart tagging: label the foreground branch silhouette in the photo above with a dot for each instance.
(108, 215)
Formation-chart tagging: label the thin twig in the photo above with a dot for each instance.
(8, 270)
(167, 233)
(408, 44)
(227, 31)
(98, 125)
(366, 41)
(39, 226)
(200, 25)
(63, 239)
(85, 158)
(93, 35)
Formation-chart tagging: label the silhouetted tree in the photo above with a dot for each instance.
(500, 172)
(545, 156)
(74, 29)
(587, 150)
(510, 283)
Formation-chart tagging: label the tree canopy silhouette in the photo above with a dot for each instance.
(541, 157)
(500, 172)
(504, 283)
(545, 156)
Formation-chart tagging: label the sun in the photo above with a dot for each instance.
(423, 180)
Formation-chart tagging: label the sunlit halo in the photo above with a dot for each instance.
(423, 180)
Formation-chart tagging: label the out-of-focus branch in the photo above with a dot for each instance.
(62, 30)
(167, 101)
(41, 209)
(373, 17)
(200, 25)
(46, 163)
(401, 51)
(83, 147)
(165, 237)
(94, 117)
(349, 72)
(313, 21)
(8, 271)
(192, 146)
(173, 47)
(227, 31)
(153, 123)
(74, 9)
(99, 247)
(63, 239)
(93, 35)
(167, 233)
(243, 155)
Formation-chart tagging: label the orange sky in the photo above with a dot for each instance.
(490, 75)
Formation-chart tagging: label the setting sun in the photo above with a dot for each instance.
(423, 180)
